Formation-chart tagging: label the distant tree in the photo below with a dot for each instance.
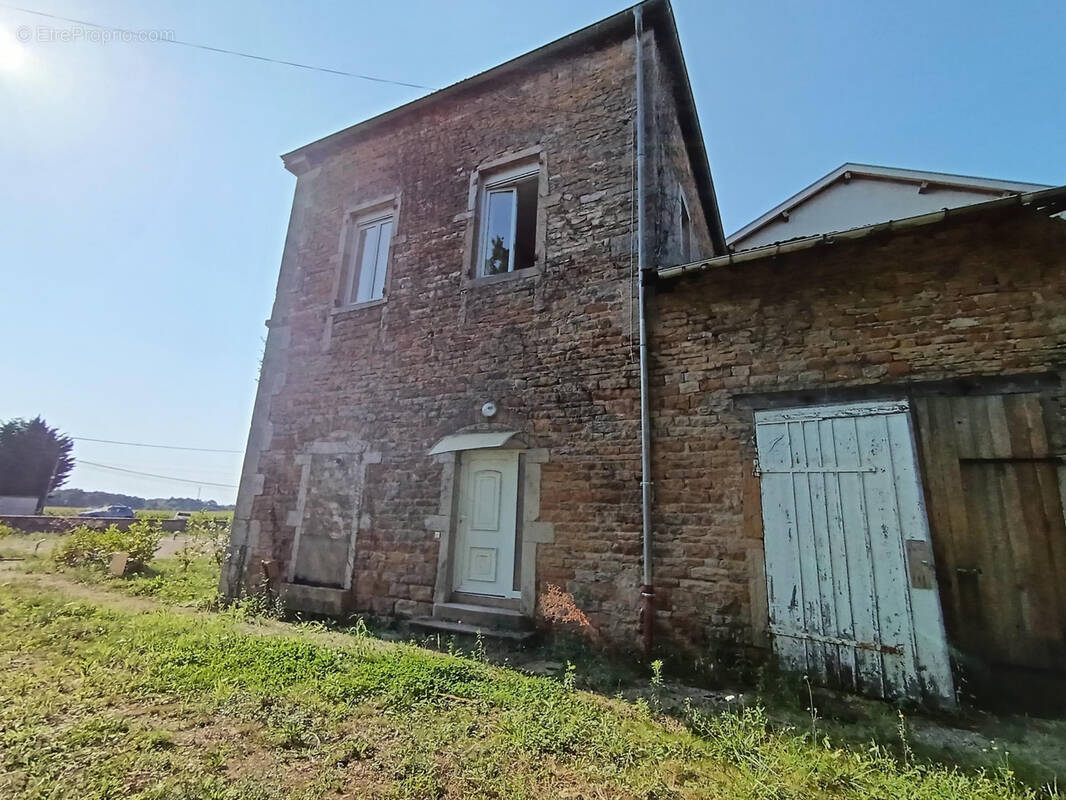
(34, 458)
(79, 498)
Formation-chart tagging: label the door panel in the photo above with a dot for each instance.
(488, 503)
(486, 500)
(840, 497)
(997, 511)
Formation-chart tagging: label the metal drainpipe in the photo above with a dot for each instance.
(647, 593)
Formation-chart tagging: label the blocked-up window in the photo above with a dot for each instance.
(508, 222)
(330, 489)
(368, 259)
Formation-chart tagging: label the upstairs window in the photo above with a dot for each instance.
(508, 222)
(368, 260)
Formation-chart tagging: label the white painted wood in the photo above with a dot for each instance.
(471, 441)
(488, 505)
(841, 494)
(369, 259)
(854, 195)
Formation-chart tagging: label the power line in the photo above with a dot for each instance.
(222, 50)
(252, 56)
(153, 475)
(157, 446)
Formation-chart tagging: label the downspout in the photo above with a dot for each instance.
(647, 593)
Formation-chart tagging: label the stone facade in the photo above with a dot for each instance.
(352, 398)
(942, 309)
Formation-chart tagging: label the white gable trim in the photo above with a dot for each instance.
(918, 177)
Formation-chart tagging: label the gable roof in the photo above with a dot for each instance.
(658, 15)
(846, 172)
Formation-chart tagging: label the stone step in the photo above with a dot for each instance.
(482, 616)
(466, 629)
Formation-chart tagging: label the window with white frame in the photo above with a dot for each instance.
(368, 259)
(508, 222)
(684, 227)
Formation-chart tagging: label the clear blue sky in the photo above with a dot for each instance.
(143, 206)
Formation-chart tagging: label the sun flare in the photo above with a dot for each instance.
(12, 54)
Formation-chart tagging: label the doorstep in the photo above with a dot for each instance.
(466, 629)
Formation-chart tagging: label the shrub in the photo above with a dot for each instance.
(85, 546)
(210, 532)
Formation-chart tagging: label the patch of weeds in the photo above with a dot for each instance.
(354, 748)
(157, 740)
(260, 604)
(295, 727)
(97, 731)
(174, 581)
(764, 755)
(418, 777)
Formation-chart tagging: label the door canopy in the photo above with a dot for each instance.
(478, 440)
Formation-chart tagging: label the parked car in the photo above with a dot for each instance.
(121, 512)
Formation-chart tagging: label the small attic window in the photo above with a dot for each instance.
(508, 222)
(684, 227)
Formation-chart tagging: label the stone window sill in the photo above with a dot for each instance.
(339, 310)
(504, 277)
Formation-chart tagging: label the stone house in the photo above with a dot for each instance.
(456, 413)
(454, 340)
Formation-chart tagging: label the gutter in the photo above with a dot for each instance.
(1045, 198)
(647, 592)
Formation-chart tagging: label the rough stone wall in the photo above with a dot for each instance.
(670, 171)
(554, 350)
(979, 298)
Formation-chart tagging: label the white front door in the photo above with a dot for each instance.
(488, 506)
(852, 593)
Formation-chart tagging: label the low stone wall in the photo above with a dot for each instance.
(48, 524)
(11, 504)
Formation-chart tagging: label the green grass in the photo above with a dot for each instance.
(100, 700)
(173, 581)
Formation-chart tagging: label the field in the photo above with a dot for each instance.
(142, 687)
(141, 513)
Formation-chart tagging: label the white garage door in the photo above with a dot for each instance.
(852, 593)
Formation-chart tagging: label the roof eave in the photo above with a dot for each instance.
(695, 144)
(1053, 199)
(619, 24)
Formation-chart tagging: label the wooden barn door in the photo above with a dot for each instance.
(852, 594)
(1000, 538)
